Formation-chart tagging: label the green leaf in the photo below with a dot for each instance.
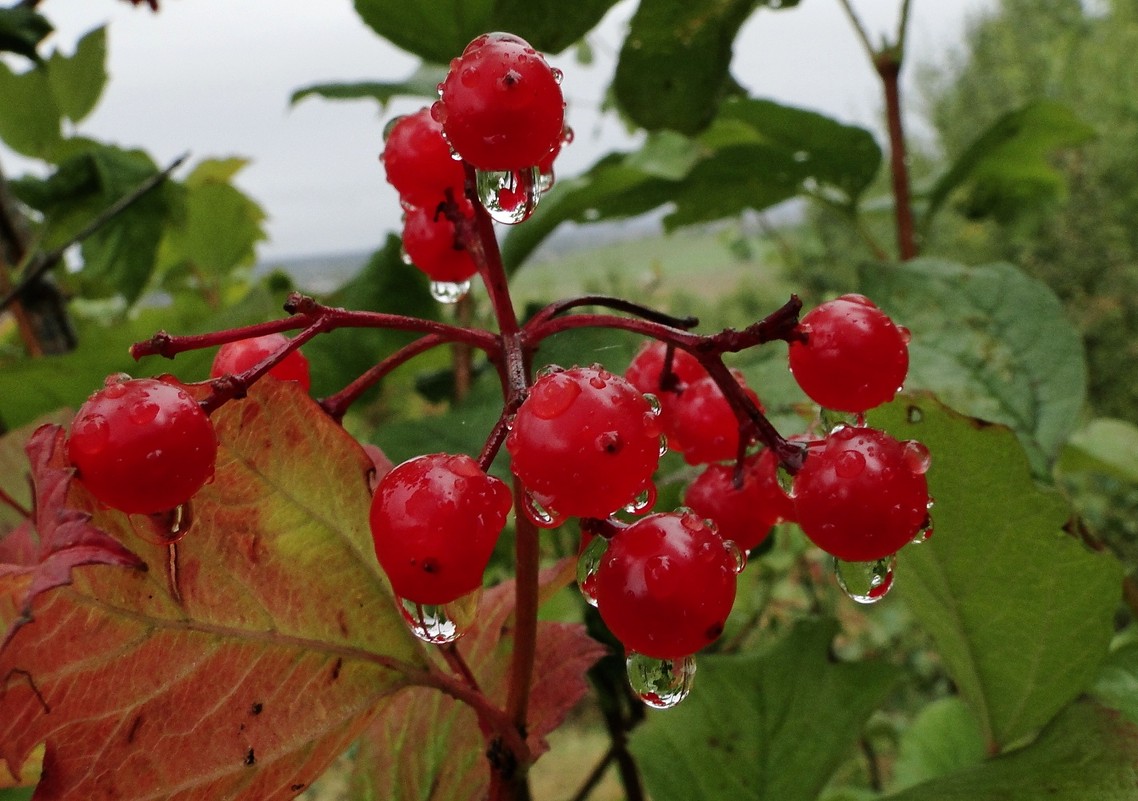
(549, 25)
(423, 82)
(30, 122)
(219, 225)
(1086, 753)
(21, 30)
(1117, 682)
(990, 342)
(944, 739)
(77, 81)
(1104, 446)
(1007, 168)
(767, 725)
(1020, 611)
(673, 66)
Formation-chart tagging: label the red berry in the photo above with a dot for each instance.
(433, 245)
(418, 163)
(862, 495)
(434, 522)
(142, 446)
(666, 585)
(854, 357)
(701, 423)
(584, 443)
(501, 105)
(237, 357)
(743, 514)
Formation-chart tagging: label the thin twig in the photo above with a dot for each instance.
(40, 263)
(862, 33)
(595, 776)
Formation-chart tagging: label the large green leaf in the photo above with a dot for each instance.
(439, 31)
(77, 81)
(423, 82)
(29, 123)
(1086, 753)
(1007, 168)
(1104, 446)
(990, 342)
(756, 154)
(774, 724)
(1021, 612)
(1117, 682)
(21, 30)
(944, 738)
(673, 67)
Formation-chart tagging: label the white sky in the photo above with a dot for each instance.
(214, 77)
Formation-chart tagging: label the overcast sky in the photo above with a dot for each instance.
(214, 77)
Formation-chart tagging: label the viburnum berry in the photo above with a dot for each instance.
(434, 522)
(647, 373)
(418, 163)
(701, 423)
(237, 357)
(142, 446)
(584, 443)
(501, 105)
(433, 245)
(861, 495)
(666, 585)
(743, 514)
(854, 357)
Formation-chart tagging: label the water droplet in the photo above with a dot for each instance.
(405, 257)
(545, 180)
(144, 412)
(663, 444)
(914, 414)
(660, 683)
(438, 110)
(567, 135)
(510, 196)
(390, 126)
(736, 556)
(92, 434)
(588, 563)
(558, 75)
(597, 382)
(849, 464)
(643, 500)
(906, 334)
(866, 582)
(917, 457)
(653, 403)
(114, 390)
(441, 623)
(164, 528)
(924, 534)
(550, 369)
(542, 516)
(449, 292)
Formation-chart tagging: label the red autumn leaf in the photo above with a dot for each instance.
(249, 654)
(427, 746)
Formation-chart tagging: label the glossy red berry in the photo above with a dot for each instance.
(418, 163)
(142, 446)
(743, 514)
(854, 357)
(647, 372)
(501, 104)
(666, 585)
(584, 443)
(862, 495)
(434, 522)
(433, 245)
(237, 357)
(701, 423)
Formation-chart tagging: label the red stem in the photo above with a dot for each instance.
(888, 65)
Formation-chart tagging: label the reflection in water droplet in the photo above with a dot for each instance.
(143, 412)
(546, 180)
(736, 556)
(660, 683)
(510, 196)
(92, 434)
(643, 500)
(558, 75)
(866, 582)
(541, 516)
(587, 565)
(849, 464)
(441, 623)
(164, 528)
(550, 369)
(924, 534)
(917, 457)
(449, 292)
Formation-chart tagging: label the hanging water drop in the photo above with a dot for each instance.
(736, 556)
(588, 563)
(545, 180)
(509, 196)
(866, 582)
(643, 500)
(405, 257)
(449, 292)
(660, 683)
(541, 516)
(441, 623)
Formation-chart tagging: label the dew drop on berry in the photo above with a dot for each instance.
(550, 369)
(643, 501)
(405, 257)
(916, 457)
(540, 515)
(552, 397)
(587, 565)
(866, 582)
(545, 180)
(736, 556)
(558, 75)
(115, 389)
(143, 412)
(509, 196)
(849, 464)
(441, 623)
(92, 434)
(449, 292)
(660, 683)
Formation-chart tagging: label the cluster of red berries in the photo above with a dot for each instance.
(501, 112)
